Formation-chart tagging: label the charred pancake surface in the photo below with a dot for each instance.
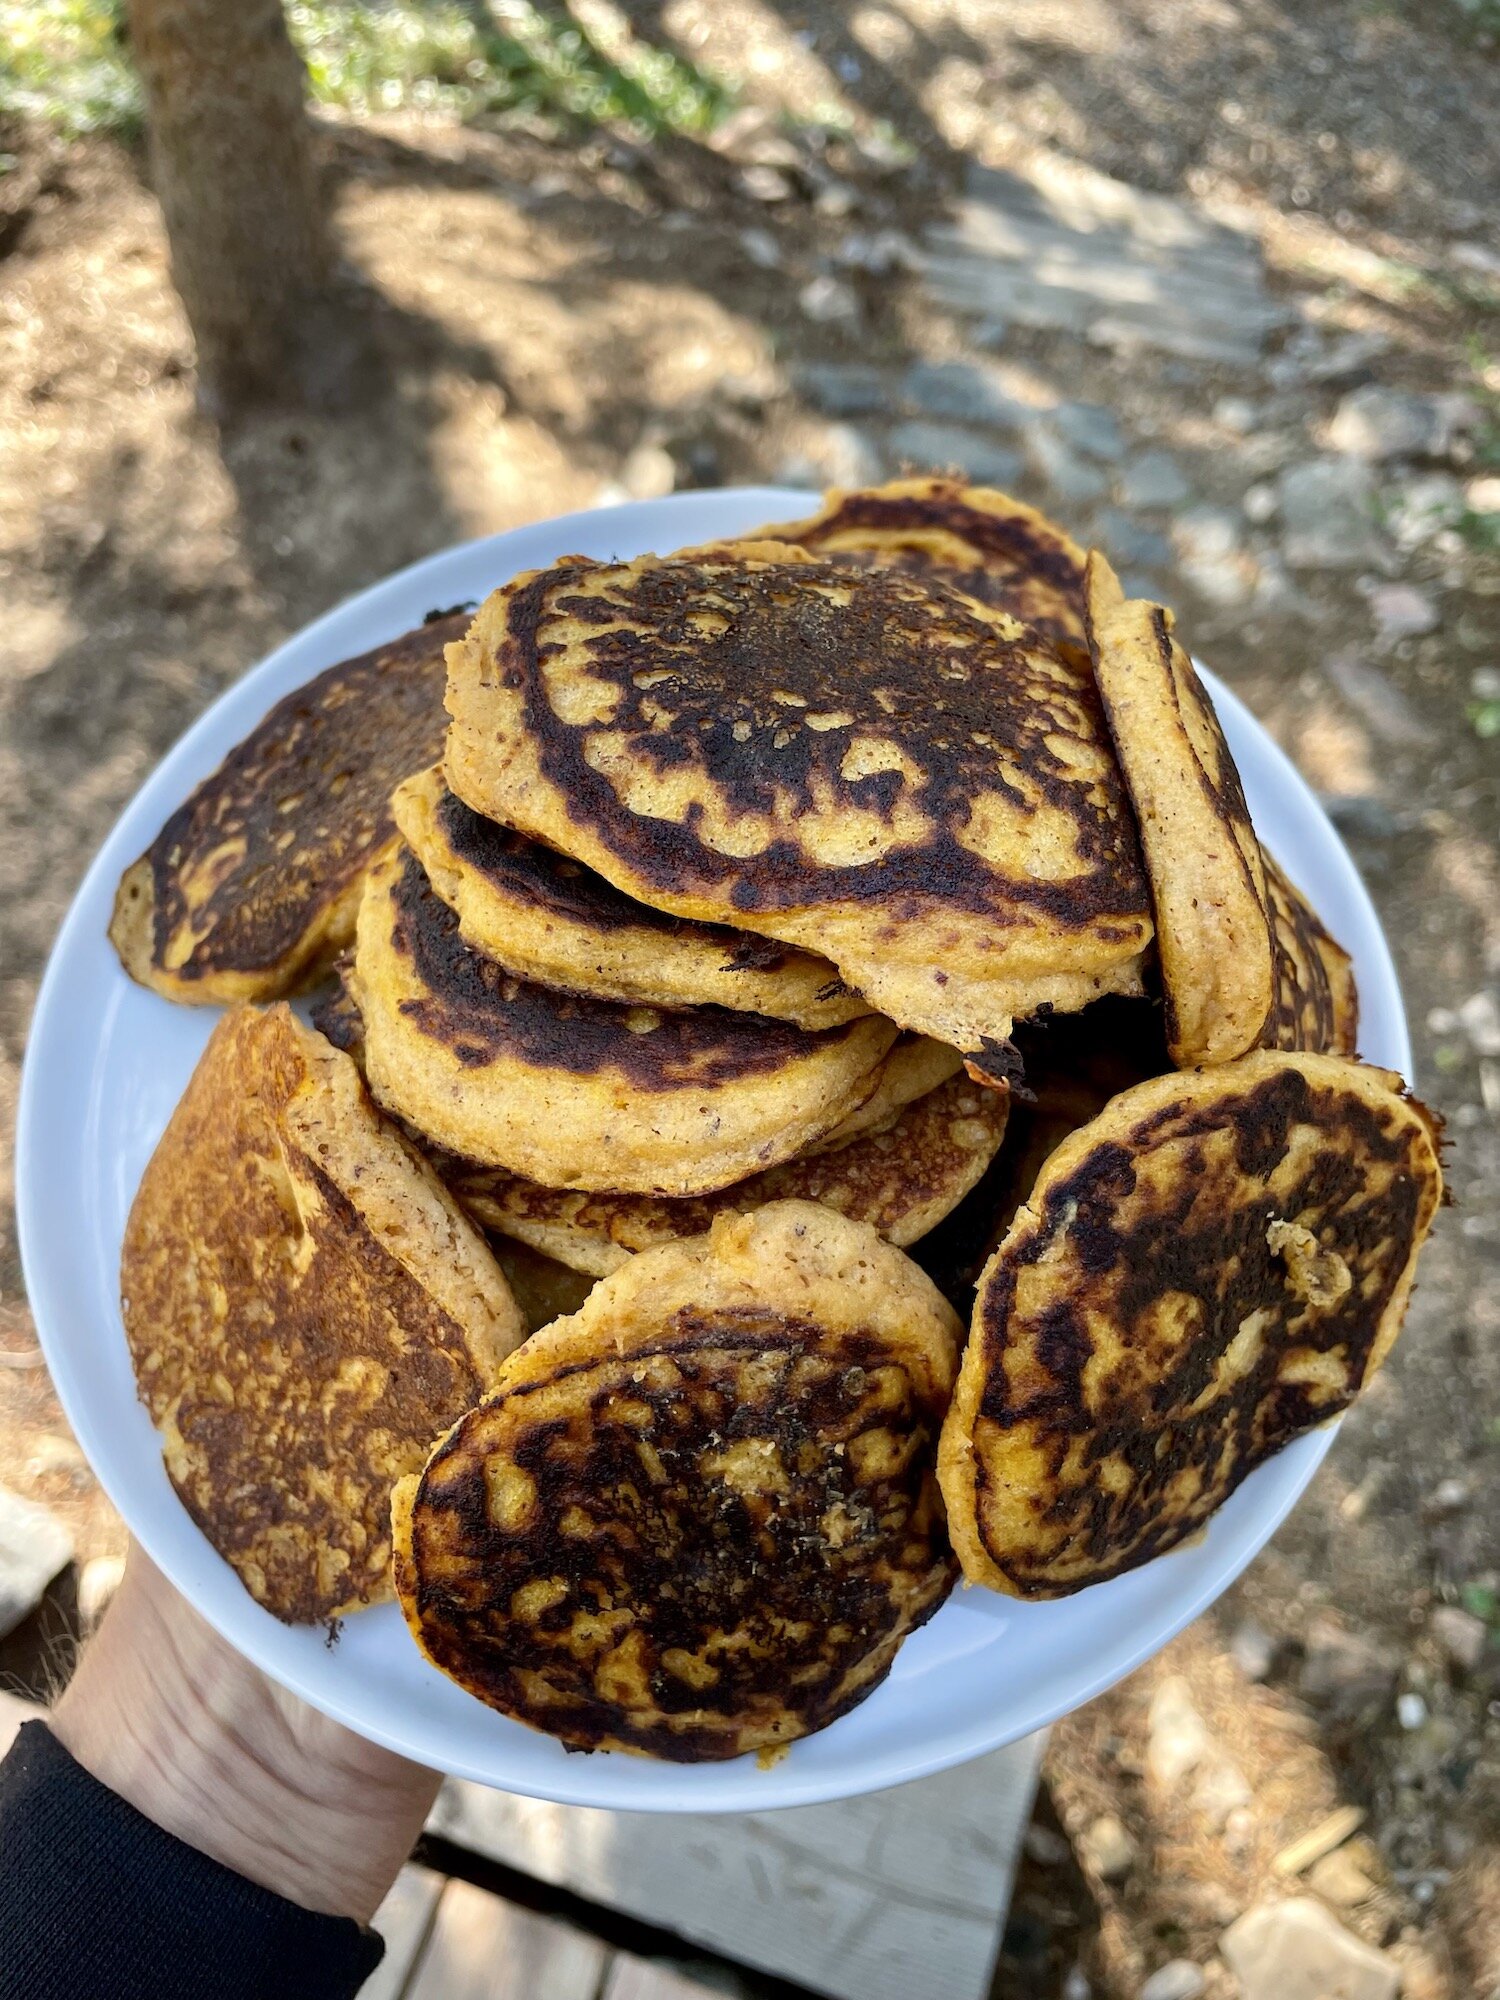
(698, 1518)
(981, 541)
(552, 920)
(254, 882)
(1316, 1005)
(866, 765)
(575, 1092)
(1207, 871)
(901, 1180)
(1215, 1264)
(306, 1307)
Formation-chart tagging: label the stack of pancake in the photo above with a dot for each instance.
(746, 918)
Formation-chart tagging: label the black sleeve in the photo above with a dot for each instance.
(96, 1900)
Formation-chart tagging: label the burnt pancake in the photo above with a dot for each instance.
(1207, 872)
(554, 921)
(902, 1180)
(1316, 1005)
(576, 1092)
(306, 1306)
(1214, 1265)
(856, 762)
(981, 541)
(699, 1517)
(253, 884)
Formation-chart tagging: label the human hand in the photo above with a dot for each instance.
(170, 1717)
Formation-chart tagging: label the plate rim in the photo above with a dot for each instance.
(668, 1787)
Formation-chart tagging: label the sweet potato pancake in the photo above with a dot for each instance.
(575, 1092)
(901, 1180)
(982, 542)
(699, 1517)
(1216, 1263)
(253, 884)
(869, 766)
(306, 1306)
(915, 1066)
(1316, 1005)
(1208, 881)
(554, 921)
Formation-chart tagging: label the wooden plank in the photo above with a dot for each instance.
(876, 1898)
(403, 1920)
(481, 1948)
(637, 1979)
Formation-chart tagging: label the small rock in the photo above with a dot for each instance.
(1380, 703)
(1070, 477)
(842, 389)
(649, 472)
(1417, 512)
(1046, 1848)
(1462, 1636)
(1178, 1738)
(1451, 1495)
(1401, 611)
(1339, 1879)
(1222, 1790)
(1361, 815)
(1178, 1979)
(98, 1581)
(1076, 1985)
(1411, 1710)
(825, 299)
(1479, 1017)
(34, 1546)
(1345, 1672)
(1377, 423)
(1108, 1849)
(1252, 1649)
(1205, 534)
(964, 390)
(1091, 429)
(1237, 414)
(1327, 515)
(1348, 359)
(836, 199)
(1128, 542)
(1482, 496)
(1260, 503)
(765, 183)
(1484, 684)
(879, 251)
(846, 457)
(1153, 480)
(945, 445)
(761, 247)
(1297, 1950)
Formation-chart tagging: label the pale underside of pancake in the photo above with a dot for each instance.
(552, 920)
(574, 1092)
(977, 539)
(253, 884)
(901, 1180)
(856, 762)
(698, 1517)
(1207, 872)
(306, 1307)
(1214, 1265)
(1316, 1005)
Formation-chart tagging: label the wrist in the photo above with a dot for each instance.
(173, 1720)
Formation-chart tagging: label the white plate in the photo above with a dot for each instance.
(106, 1065)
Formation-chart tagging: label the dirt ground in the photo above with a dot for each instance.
(557, 319)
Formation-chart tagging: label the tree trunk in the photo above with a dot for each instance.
(232, 163)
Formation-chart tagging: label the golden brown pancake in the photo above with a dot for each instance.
(867, 766)
(1316, 1005)
(543, 1289)
(306, 1306)
(978, 540)
(915, 1066)
(902, 1180)
(1207, 872)
(574, 1092)
(1215, 1264)
(554, 921)
(699, 1517)
(253, 884)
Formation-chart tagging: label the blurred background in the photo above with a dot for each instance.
(290, 297)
